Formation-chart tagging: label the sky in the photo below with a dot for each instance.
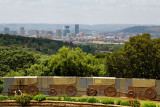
(80, 11)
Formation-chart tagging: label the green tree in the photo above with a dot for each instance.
(73, 62)
(15, 60)
(140, 58)
(1, 84)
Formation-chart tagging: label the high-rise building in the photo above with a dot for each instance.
(6, 30)
(65, 30)
(76, 29)
(59, 33)
(21, 31)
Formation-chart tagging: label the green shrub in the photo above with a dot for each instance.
(107, 101)
(125, 103)
(1, 84)
(39, 97)
(1, 80)
(59, 98)
(149, 105)
(3, 98)
(92, 100)
(11, 98)
(53, 99)
(134, 103)
(23, 99)
(67, 98)
(118, 102)
(82, 100)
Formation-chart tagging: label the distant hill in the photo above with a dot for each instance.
(142, 29)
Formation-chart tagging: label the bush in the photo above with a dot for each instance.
(107, 101)
(23, 99)
(59, 98)
(3, 98)
(67, 98)
(1, 80)
(53, 99)
(39, 97)
(134, 103)
(92, 100)
(118, 102)
(11, 98)
(125, 103)
(1, 84)
(149, 105)
(82, 100)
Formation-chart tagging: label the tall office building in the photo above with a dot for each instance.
(6, 30)
(21, 31)
(76, 29)
(59, 33)
(65, 30)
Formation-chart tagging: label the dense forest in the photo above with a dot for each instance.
(47, 46)
(67, 62)
(139, 58)
(41, 45)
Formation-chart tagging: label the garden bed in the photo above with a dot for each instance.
(66, 101)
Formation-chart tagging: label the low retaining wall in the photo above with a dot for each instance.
(11, 103)
(80, 86)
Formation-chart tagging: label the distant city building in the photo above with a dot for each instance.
(81, 34)
(42, 32)
(27, 32)
(6, 30)
(21, 31)
(59, 33)
(13, 32)
(70, 34)
(65, 30)
(76, 29)
(35, 32)
(50, 32)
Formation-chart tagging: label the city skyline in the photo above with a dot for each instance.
(80, 11)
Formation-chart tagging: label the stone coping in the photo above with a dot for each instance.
(33, 103)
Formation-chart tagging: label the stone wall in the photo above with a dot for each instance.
(102, 86)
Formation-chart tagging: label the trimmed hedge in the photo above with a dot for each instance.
(149, 105)
(92, 100)
(125, 103)
(107, 101)
(82, 100)
(3, 98)
(39, 97)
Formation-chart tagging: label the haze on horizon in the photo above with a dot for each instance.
(80, 11)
